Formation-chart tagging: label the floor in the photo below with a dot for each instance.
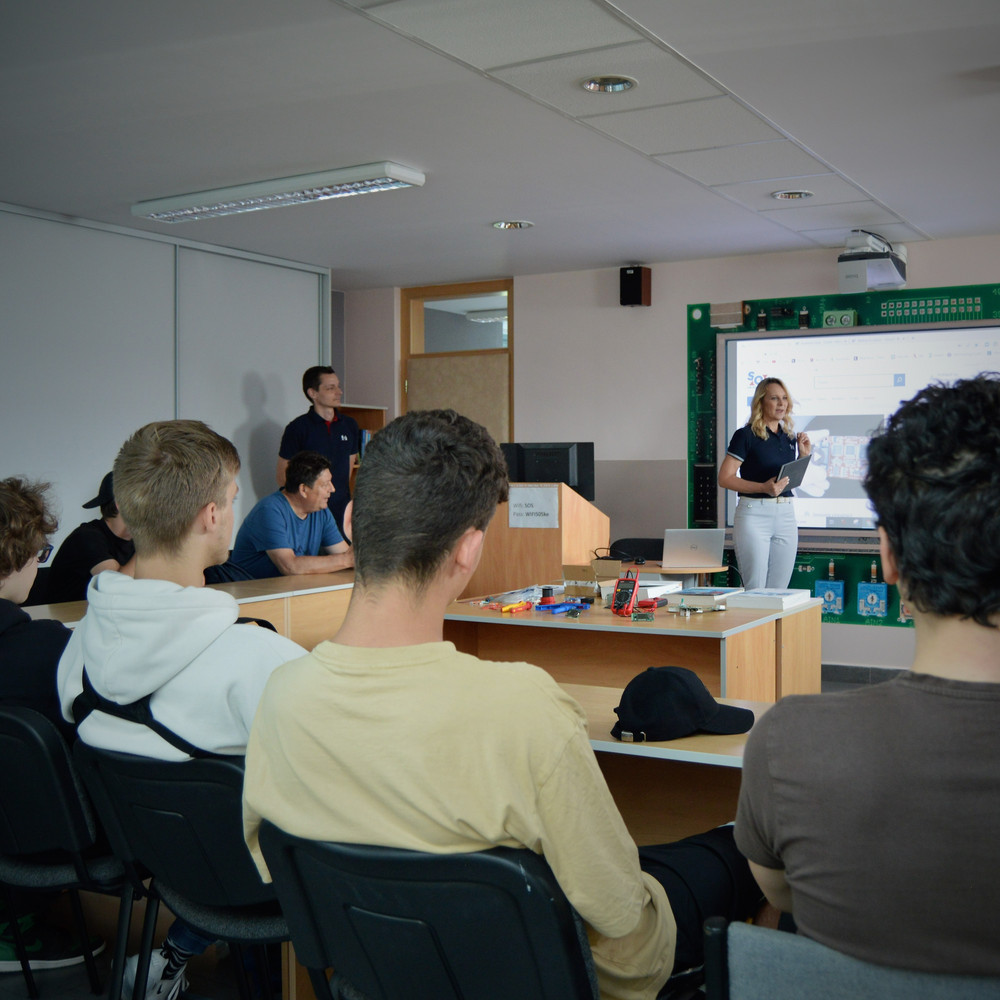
(210, 975)
(844, 678)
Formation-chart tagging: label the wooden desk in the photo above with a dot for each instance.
(740, 653)
(307, 609)
(665, 791)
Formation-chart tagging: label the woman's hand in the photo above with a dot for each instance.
(805, 445)
(775, 487)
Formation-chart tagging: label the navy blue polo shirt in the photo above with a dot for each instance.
(761, 460)
(336, 441)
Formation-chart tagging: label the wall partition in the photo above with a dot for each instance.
(103, 330)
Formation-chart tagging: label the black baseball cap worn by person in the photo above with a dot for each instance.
(105, 495)
(666, 703)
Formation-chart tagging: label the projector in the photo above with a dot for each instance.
(870, 262)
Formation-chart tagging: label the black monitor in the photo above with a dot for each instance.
(569, 462)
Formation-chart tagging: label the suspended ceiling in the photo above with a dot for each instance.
(886, 110)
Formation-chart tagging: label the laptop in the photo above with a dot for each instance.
(684, 548)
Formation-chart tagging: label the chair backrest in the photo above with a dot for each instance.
(743, 962)
(404, 925)
(631, 549)
(43, 806)
(179, 820)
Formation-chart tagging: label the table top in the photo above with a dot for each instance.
(657, 568)
(247, 591)
(709, 624)
(702, 748)
(244, 591)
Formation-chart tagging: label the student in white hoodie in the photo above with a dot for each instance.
(163, 637)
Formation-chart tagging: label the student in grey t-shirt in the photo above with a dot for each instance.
(873, 815)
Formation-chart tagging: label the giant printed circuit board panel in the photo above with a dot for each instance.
(888, 345)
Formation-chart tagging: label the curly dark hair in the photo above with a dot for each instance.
(424, 479)
(934, 480)
(25, 522)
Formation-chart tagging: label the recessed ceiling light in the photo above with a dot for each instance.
(608, 84)
(512, 224)
(791, 195)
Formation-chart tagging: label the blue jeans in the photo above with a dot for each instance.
(185, 938)
(766, 539)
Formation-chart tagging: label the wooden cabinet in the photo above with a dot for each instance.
(369, 418)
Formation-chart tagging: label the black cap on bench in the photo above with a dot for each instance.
(666, 703)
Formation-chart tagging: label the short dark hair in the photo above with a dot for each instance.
(303, 469)
(312, 377)
(424, 479)
(25, 522)
(934, 480)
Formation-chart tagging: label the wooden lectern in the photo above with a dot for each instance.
(523, 556)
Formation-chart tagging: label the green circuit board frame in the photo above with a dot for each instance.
(907, 306)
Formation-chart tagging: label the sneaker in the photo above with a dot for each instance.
(157, 987)
(47, 947)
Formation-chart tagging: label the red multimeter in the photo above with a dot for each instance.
(625, 594)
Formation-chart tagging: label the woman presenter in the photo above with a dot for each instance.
(765, 534)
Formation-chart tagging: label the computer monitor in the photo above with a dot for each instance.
(569, 462)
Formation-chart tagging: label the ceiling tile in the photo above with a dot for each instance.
(748, 162)
(662, 79)
(827, 189)
(863, 214)
(716, 121)
(486, 33)
(895, 232)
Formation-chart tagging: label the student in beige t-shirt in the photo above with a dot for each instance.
(389, 735)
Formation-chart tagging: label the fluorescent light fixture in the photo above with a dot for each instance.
(487, 315)
(280, 192)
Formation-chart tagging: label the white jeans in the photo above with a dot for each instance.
(766, 539)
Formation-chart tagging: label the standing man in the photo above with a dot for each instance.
(873, 815)
(323, 429)
(93, 547)
(388, 735)
(290, 531)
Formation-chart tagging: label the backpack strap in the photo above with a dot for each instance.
(139, 712)
(262, 622)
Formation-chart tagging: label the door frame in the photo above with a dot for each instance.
(411, 327)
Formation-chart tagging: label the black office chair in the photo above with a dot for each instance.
(404, 925)
(48, 835)
(181, 822)
(744, 962)
(630, 549)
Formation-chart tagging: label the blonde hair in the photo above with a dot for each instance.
(164, 474)
(25, 521)
(756, 421)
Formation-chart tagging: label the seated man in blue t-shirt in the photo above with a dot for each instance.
(291, 531)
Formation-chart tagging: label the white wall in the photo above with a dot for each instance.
(371, 349)
(104, 330)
